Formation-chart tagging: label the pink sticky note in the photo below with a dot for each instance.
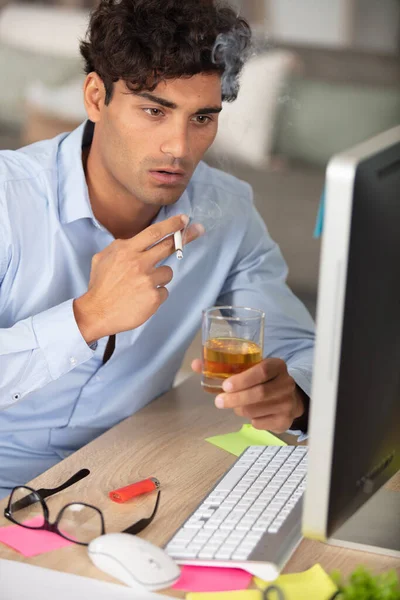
(30, 541)
(212, 579)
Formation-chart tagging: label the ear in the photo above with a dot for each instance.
(94, 94)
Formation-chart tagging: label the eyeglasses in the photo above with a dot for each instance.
(77, 522)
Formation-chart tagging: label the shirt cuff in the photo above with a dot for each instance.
(60, 339)
(303, 380)
(301, 436)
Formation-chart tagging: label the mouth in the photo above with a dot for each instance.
(168, 176)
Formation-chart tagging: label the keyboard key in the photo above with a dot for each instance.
(194, 525)
(219, 536)
(223, 554)
(212, 525)
(228, 526)
(273, 529)
(186, 553)
(203, 535)
(207, 554)
(184, 534)
(240, 554)
(230, 479)
(237, 535)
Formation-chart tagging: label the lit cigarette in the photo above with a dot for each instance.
(178, 245)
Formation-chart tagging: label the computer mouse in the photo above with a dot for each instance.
(133, 561)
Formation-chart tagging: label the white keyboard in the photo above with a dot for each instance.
(252, 515)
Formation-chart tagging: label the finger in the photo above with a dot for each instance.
(273, 391)
(266, 370)
(274, 423)
(239, 412)
(155, 233)
(163, 292)
(266, 409)
(166, 247)
(162, 276)
(197, 365)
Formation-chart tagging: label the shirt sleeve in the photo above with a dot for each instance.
(258, 280)
(38, 350)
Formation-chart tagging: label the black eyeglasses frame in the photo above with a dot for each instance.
(48, 526)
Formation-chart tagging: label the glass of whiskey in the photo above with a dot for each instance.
(232, 338)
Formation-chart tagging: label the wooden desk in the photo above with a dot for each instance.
(165, 440)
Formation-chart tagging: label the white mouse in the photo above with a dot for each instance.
(134, 561)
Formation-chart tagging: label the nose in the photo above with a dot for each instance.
(177, 143)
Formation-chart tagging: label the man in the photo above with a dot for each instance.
(96, 312)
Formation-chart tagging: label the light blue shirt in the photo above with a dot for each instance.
(55, 393)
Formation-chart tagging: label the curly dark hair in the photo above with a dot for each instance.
(144, 42)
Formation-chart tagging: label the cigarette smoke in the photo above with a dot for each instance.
(208, 213)
(231, 51)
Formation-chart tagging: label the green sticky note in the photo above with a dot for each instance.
(314, 583)
(238, 441)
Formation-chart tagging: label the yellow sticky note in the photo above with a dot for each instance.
(240, 595)
(247, 436)
(314, 583)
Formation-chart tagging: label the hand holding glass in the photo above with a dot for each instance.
(233, 339)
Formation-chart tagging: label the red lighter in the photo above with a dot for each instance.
(134, 489)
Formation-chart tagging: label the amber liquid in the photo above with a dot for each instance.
(223, 357)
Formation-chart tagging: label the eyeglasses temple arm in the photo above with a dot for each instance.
(45, 492)
(140, 525)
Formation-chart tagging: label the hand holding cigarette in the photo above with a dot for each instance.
(126, 286)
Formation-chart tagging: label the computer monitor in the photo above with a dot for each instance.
(354, 445)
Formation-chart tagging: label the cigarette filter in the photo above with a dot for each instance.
(178, 245)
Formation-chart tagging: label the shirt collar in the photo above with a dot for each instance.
(73, 192)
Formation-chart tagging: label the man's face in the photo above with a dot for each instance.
(150, 143)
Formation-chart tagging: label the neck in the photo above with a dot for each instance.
(120, 213)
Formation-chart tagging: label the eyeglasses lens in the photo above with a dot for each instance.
(80, 523)
(26, 508)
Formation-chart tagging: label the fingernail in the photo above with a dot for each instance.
(219, 401)
(185, 219)
(199, 229)
(227, 386)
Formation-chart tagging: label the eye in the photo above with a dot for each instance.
(153, 112)
(202, 119)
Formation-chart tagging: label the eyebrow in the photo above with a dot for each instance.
(172, 105)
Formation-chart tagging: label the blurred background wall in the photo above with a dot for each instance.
(325, 76)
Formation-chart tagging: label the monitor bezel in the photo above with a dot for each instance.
(340, 180)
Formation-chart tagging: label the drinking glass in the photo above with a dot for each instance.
(233, 338)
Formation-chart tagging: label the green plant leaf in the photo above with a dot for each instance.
(362, 585)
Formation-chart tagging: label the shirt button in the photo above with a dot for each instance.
(16, 396)
(72, 360)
